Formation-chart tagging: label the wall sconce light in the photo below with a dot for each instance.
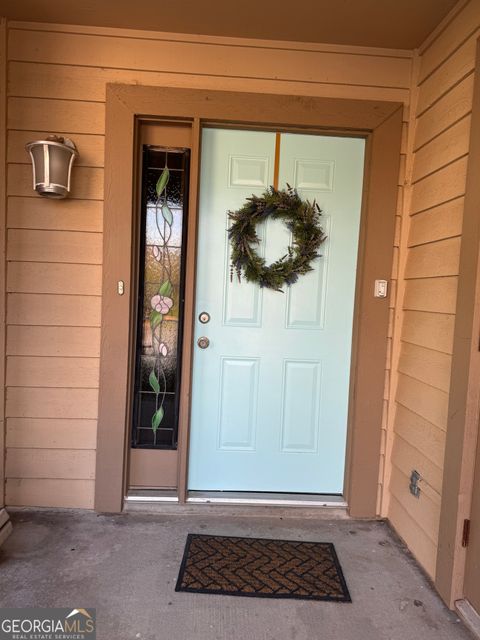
(52, 161)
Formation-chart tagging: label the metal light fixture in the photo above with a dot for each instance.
(52, 161)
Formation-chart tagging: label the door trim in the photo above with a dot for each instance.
(381, 124)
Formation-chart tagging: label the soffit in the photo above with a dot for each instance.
(398, 24)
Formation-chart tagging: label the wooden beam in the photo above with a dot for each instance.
(464, 393)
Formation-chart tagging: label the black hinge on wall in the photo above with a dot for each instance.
(466, 533)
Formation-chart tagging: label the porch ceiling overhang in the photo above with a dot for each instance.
(399, 24)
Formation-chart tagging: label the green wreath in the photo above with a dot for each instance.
(301, 217)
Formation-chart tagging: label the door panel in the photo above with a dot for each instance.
(270, 393)
(237, 412)
(301, 388)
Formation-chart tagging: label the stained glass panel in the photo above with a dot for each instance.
(160, 302)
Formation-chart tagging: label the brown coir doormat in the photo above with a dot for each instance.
(262, 568)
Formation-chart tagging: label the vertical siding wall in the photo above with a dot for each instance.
(440, 146)
(56, 84)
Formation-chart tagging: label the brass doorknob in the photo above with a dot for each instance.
(203, 342)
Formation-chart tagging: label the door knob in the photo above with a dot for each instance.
(203, 342)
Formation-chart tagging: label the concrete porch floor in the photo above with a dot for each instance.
(126, 566)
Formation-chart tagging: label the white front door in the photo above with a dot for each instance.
(270, 393)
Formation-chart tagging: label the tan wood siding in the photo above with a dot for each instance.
(63, 115)
(54, 246)
(30, 402)
(434, 259)
(450, 108)
(3, 186)
(439, 187)
(67, 215)
(45, 277)
(431, 330)
(437, 295)
(51, 463)
(445, 148)
(422, 517)
(454, 69)
(425, 437)
(427, 365)
(464, 24)
(24, 340)
(438, 223)
(51, 433)
(52, 372)
(55, 310)
(413, 535)
(204, 59)
(71, 82)
(431, 265)
(25, 492)
(57, 84)
(421, 398)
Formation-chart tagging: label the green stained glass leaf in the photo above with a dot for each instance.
(155, 319)
(165, 288)
(167, 214)
(154, 383)
(157, 418)
(162, 182)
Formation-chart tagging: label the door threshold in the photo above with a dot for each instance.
(151, 495)
(265, 498)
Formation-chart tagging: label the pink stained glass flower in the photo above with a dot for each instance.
(162, 349)
(157, 253)
(162, 304)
